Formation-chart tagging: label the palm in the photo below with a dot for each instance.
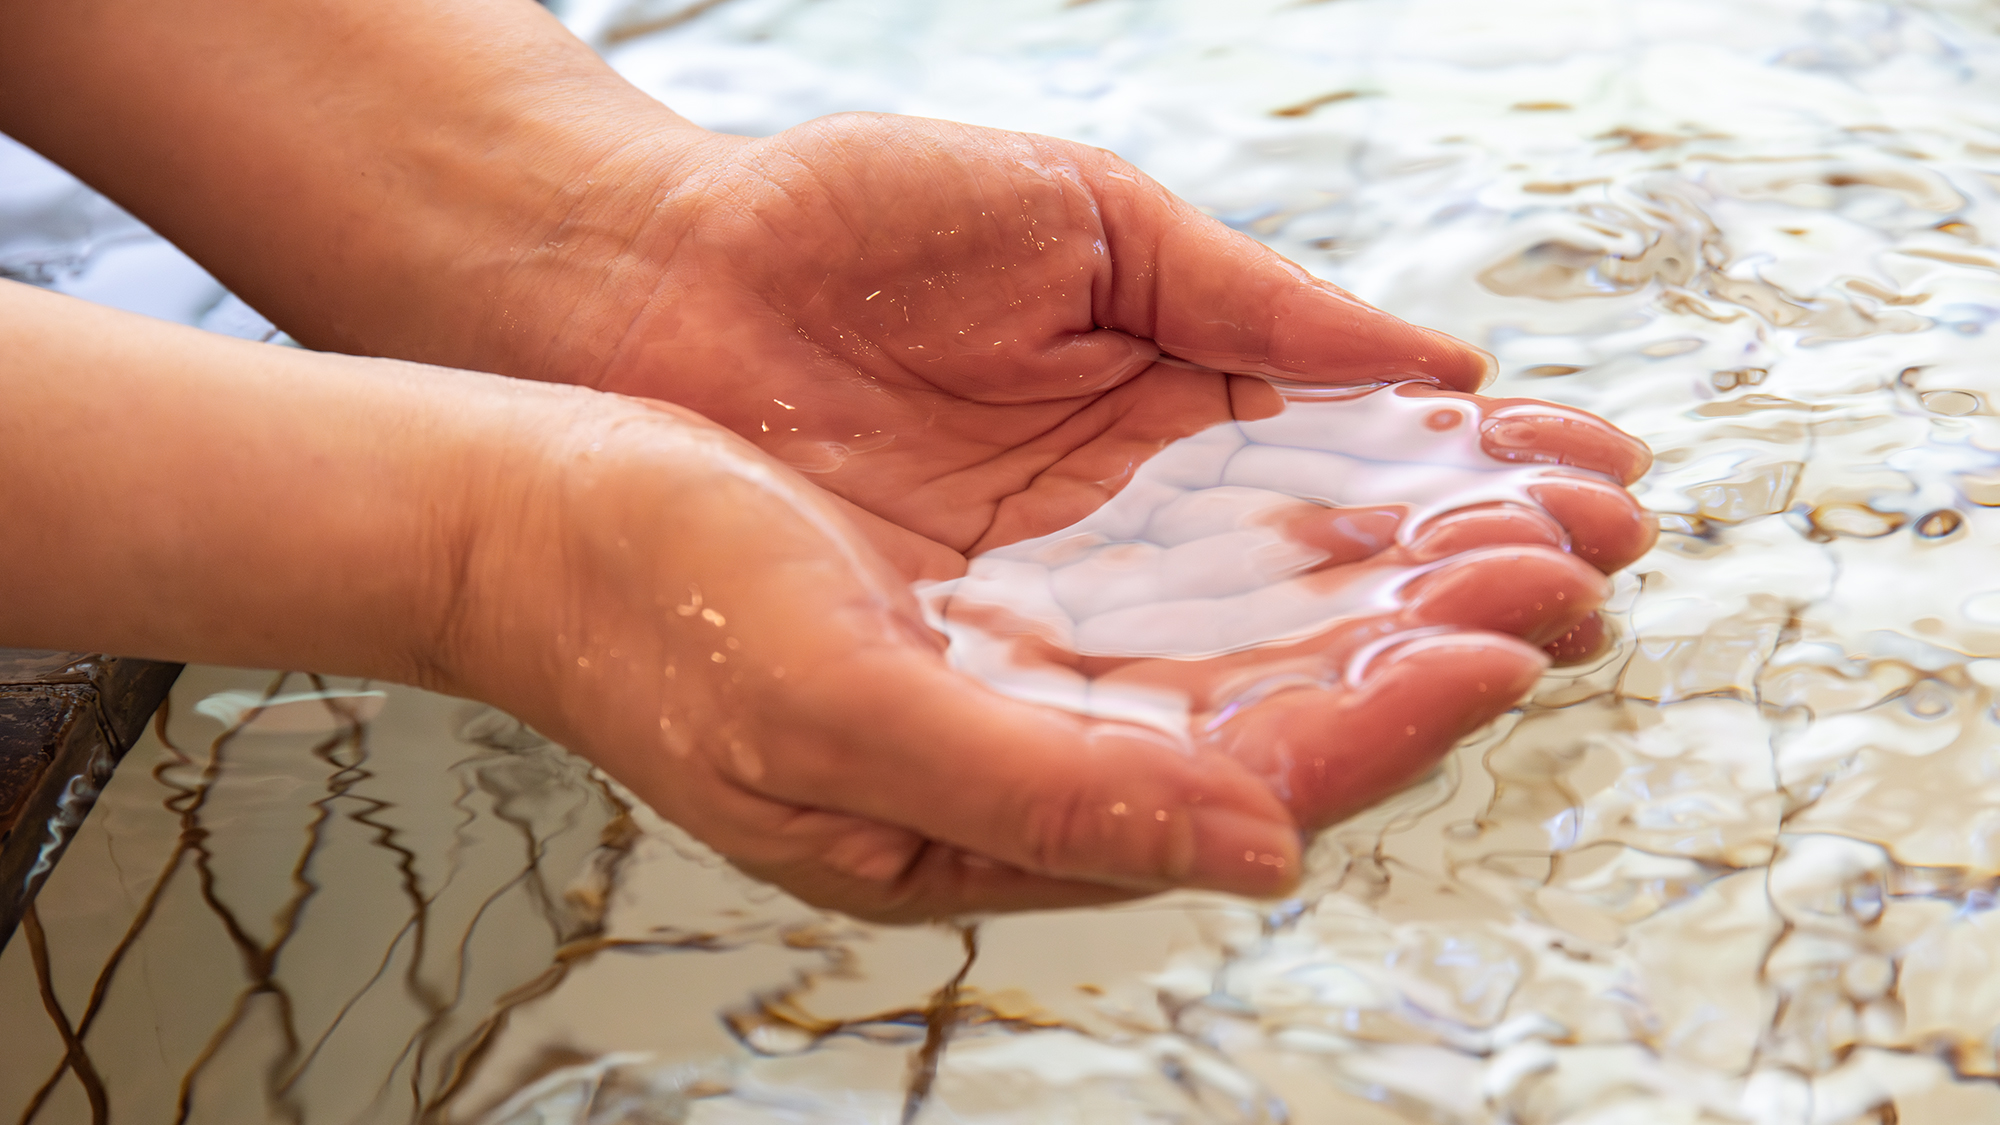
(959, 330)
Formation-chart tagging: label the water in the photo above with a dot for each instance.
(1741, 868)
(274, 915)
(1260, 534)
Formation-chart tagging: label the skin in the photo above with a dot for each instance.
(888, 343)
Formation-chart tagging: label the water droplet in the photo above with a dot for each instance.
(1940, 523)
(1928, 699)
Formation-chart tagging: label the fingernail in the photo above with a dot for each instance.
(1488, 368)
(1240, 853)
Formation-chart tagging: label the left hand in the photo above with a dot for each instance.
(977, 334)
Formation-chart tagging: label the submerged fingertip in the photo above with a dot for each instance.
(1489, 369)
(1487, 671)
(1444, 653)
(1232, 851)
(1454, 363)
(1642, 463)
(1484, 367)
(1584, 640)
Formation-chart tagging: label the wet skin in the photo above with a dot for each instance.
(1215, 601)
(977, 335)
(962, 330)
(728, 644)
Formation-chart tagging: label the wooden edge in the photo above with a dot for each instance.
(85, 712)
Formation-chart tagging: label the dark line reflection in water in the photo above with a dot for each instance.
(941, 1016)
(265, 1054)
(76, 1059)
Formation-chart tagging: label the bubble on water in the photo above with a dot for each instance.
(1950, 403)
(1939, 524)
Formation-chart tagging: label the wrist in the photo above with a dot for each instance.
(515, 240)
(589, 248)
(618, 551)
(375, 178)
(199, 498)
(566, 504)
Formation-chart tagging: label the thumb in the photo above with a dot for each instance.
(1336, 752)
(926, 748)
(1222, 299)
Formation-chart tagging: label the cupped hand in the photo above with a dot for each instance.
(975, 334)
(744, 652)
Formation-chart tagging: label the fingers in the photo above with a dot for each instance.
(923, 748)
(1209, 294)
(878, 871)
(1595, 521)
(1525, 430)
(1535, 593)
(1528, 430)
(1603, 523)
(936, 768)
(1607, 528)
(1586, 640)
(1341, 535)
(1490, 525)
(939, 883)
(1332, 753)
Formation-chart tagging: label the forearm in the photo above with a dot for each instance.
(377, 177)
(179, 495)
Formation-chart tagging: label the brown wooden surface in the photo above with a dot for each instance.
(65, 721)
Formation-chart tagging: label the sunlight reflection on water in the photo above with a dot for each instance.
(1742, 869)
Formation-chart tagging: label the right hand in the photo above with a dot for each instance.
(739, 648)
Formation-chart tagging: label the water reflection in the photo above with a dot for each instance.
(287, 916)
(1740, 869)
